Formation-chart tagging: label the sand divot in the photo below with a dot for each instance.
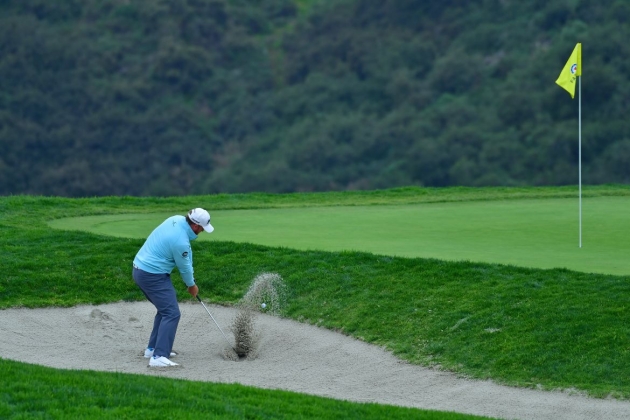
(268, 289)
(266, 294)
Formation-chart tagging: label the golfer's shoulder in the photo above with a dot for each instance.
(175, 219)
(177, 231)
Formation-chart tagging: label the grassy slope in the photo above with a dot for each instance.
(526, 327)
(38, 392)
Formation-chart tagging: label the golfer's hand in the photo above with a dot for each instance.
(193, 290)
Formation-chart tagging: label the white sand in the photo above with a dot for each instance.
(292, 356)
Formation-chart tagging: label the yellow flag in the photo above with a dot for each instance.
(571, 71)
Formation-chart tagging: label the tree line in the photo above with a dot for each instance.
(174, 97)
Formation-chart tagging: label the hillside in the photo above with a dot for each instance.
(174, 97)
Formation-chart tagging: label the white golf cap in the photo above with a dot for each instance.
(201, 218)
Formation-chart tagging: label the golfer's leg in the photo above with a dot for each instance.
(154, 332)
(165, 300)
(154, 287)
(144, 281)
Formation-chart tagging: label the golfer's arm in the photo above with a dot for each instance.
(183, 261)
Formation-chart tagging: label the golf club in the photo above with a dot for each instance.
(215, 322)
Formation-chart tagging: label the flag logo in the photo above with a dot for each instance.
(572, 69)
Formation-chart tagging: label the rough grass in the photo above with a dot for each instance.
(36, 392)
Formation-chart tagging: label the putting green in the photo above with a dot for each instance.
(531, 233)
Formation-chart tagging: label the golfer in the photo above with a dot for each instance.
(167, 247)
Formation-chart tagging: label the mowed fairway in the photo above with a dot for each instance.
(540, 233)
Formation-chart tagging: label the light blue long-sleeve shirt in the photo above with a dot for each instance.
(167, 247)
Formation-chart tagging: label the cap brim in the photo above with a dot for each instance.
(208, 228)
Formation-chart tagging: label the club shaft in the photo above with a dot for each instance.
(215, 321)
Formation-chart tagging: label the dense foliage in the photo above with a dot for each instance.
(171, 97)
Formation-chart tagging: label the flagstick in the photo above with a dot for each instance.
(580, 148)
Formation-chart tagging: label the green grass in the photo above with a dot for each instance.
(58, 394)
(538, 233)
(519, 326)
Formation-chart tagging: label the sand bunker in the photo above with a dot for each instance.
(290, 356)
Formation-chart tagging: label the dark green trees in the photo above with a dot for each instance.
(170, 97)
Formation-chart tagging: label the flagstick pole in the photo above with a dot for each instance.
(580, 149)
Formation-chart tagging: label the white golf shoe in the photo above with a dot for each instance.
(149, 353)
(161, 362)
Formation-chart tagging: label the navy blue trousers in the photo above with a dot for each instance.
(159, 290)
